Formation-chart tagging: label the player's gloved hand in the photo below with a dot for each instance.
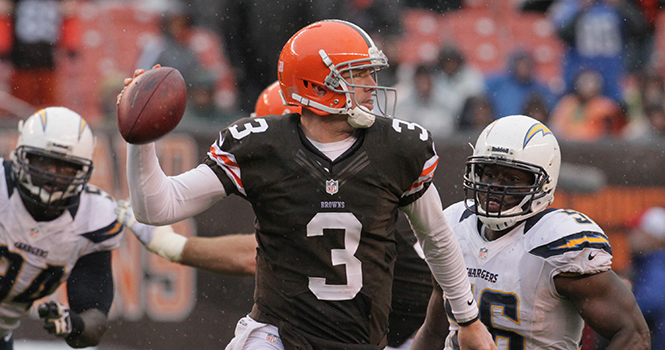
(145, 233)
(60, 321)
(161, 240)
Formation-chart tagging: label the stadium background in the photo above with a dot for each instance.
(160, 305)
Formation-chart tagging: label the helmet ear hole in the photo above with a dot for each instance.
(319, 90)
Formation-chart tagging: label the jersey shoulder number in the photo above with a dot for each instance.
(400, 125)
(247, 126)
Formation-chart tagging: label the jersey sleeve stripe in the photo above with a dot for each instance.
(227, 162)
(104, 233)
(574, 242)
(425, 176)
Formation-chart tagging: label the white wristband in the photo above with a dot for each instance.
(465, 308)
(167, 243)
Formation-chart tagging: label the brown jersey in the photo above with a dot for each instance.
(325, 229)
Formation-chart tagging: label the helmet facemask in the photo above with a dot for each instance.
(46, 188)
(385, 98)
(479, 194)
(511, 143)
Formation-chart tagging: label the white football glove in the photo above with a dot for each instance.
(161, 240)
(58, 320)
(144, 233)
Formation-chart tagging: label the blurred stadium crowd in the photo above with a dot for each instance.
(590, 69)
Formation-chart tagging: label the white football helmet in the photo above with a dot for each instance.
(518, 142)
(62, 136)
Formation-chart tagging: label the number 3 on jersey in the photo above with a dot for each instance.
(354, 274)
(397, 126)
(249, 128)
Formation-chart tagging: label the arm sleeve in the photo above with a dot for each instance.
(442, 253)
(90, 285)
(158, 199)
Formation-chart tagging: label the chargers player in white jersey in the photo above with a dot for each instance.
(538, 273)
(54, 227)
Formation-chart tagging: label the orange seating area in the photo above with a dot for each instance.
(421, 36)
(535, 33)
(486, 33)
(113, 36)
(478, 34)
(208, 46)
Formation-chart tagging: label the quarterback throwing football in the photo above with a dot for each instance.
(325, 186)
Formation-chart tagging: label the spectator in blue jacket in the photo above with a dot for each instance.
(510, 90)
(597, 34)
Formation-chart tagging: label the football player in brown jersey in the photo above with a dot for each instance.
(326, 186)
(235, 254)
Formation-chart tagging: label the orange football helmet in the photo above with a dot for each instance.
(271, 102)
(319, 54)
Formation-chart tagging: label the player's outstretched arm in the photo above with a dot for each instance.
(233, 255)
(432, 334)
(79, 330)
(607, 304)
(159, 199)
(445, 259)
(90, 295)
(230, 255)
(95, 326)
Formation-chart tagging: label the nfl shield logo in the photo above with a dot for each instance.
(332, 186)
(483, 253)
(271, 338)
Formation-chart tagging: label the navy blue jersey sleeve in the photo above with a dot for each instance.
(90, 285)
(111, 230)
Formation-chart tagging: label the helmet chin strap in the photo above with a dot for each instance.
(498, 224)
(360, 118)
(502, 223)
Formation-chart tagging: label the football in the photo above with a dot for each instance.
(152, 105)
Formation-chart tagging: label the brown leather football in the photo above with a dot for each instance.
(152, 105)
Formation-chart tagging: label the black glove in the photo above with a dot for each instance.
(60, 321)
